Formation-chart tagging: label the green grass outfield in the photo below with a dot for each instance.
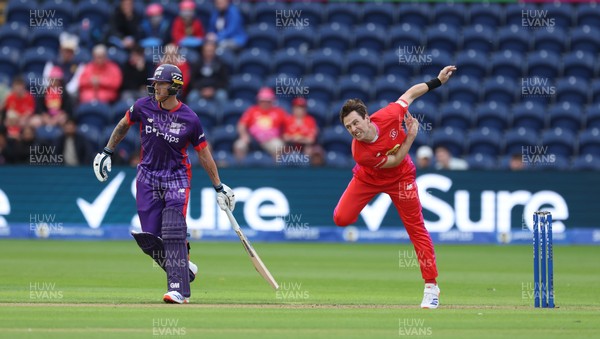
(73, 289)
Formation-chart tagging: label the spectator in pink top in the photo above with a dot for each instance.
(100, 79)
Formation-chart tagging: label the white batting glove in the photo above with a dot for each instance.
(103, 164)
(225, 197)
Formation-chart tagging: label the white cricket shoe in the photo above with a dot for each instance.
(174, 297)
(193, 270)
(431, 296)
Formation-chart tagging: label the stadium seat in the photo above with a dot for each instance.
(443, 37)
(207, 111)
(9, 61)
(382, 14)
(506, 63)
(371, 37)
(595, 91)
(565, 115)
(514, 12)
(586, 162)
(62, 14)
(256, 62)
(480, 38)
(388, 87)
(302, 40)
(585, 39)
(392, 65)
(516, 139)
(559, 141)
(336, 139)
(427, 114)
(94, 10)
(362, 62)
(258, 159)
(327, 61)
(529, 115)
(318, 110)
(271, 13)
(456, 114)
(333, 119)
(336, 159)
(224, 159)
(451, 138)
(342, 14)
(171, 10)
(262, 36)
(82, 55)
(500, 89)
(34, 59)
(334, 36)
(117, 55)
(435, 97)
(552, 162)
(435, 59)
(512, 38)
(452, 14)
(579, 64)
(543, 64)
(404, 36)
(312, 11)
(289, 61)
(415, 14)
(484, 140)
(492, 115)
(118, 110)
(464, 89)
(321, 87)
(244, 86)
(18, 11)
(472, 63)
(588, 14)
(422, 139)
(481, 161)
(223, 137)
(93, 135)
(561, 12)
(589, 142)
(47, 38)
(572, 89)
(553, 39)
(48, 135)
(94, 113)
(592, 116)
(14, 35)
(354, 86)
(487, 14)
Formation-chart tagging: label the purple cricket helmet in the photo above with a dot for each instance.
(167, 73)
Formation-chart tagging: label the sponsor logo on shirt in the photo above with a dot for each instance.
(394, 134)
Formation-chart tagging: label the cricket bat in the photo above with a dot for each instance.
(258, 264)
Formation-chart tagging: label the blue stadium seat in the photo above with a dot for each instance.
(333, 119)
(485, 141)
(321, 87)
(422, 139)
(207, 111)
(258, 159)
(48, 135)
(451, 138)
(371, 37)
(327, 61)
(336, 139)
(486, 14)
(118, 110)
(529, 115)
(244, 86)
(256, 62)
(493, 115)
(586, 162)
(506, 63)
(336, 159)
(562, 14)
(464, 89)
(82, 55)
(318, 110)
(589, 142)
(62, 14)
(94, 10)
(592, 116)
(435, 60)
(312, 11)
(392, 65)
(18, 11)
(93, 135)
(342, 14)
(204, 9)
(47, 38)
(579, 64)
(334, 36)
(443, 37)
(456, 114)
(404, 36)
(552, 40)
(229, 59)
(481, 161)
(389, 87)
(499, 88)
(543, 64)
(117, 55)
(514, 12)
(559, 141)
(270, 12)
(416, 14)
(363, 62)
(516, 139)
(572, 89)
(382, 14)
(553, 162)
(585, 39)
(289, 61)
(233, 111)
(452, 14)
(171, 10)
(595, 91)
(94, 113)
(34, 59)
(427, 114)
(588, 14)
(472, 63)
(354, 86)
(299, 39)
(14, 35)
(9, 61)
(435, 97)
(566, 115)
(512, 38)
(262, 36)
(222, 138)
(224, 158)
(480, 38)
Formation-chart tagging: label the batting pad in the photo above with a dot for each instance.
(174, 234)
(152, 246)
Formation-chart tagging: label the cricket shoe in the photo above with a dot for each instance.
(174, 297)
(431, 296)
(193, 270)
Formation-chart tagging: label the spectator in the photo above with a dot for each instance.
(18, 108)
(300, 132)
(125, 25)
(135, 72)
(72, 146)
(70, 67)
(227, 25)
(187, 26)
(54, 105)
(156, 30)
(172, 57)
(445, 160)
(264, 122)
(100, 79)
(424, 157)
(516, 162)
(212, 76)
(21, 148)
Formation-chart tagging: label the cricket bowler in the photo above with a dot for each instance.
(380, 148)
(167, 128)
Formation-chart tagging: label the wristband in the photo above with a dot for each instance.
(433, 83)
(219, 188)
(108, 151)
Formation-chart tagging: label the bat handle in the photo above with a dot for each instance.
(232, 220)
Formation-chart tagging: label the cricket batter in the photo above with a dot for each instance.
(383, 165)
(167, 128)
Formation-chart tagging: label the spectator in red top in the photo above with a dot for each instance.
(264, 122)
(18, 108)
(187, 26)
(100, 79)
(300, 132)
